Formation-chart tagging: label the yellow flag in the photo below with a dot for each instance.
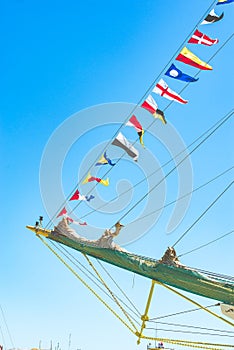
(86, 180)
(187, 57)
(105, 182)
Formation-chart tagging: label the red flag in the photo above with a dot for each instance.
(75, 196)
(70, 219)
(200, 38)
(135, 123)
(83, 223)
(90, 178)
(62, 212)
(150, 104)
(187, 57)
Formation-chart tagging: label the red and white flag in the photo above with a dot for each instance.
(62, 212)
(200, 38)
(162, 89)
(77, 197)
(76, 222)
(150, 104)
(69, 219)
(133, 121)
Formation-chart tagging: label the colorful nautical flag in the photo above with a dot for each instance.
(187, 57)
(82, 223)
(76, 222)
(150, 104)
(175, 73)
(122, 142)
(160, 115)
(69, 219)
(90, 178)
(162, 89)
(200, 38)
(89, 198)
(223, 2)
(62, 212)
(133, 121)
(152, 107)
(78, 197)
(104, 160)
(212, 17)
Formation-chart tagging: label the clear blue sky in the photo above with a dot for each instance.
(57, 59)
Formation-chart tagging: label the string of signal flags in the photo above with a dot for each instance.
(185, 56)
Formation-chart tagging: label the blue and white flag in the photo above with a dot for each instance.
(175, 73)
(222, 2)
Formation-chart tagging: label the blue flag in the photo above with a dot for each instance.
(175, 73)
(221, 2)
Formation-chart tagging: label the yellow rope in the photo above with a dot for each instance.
(112, 294)
(201, 345)
(145, 317)
(195, 303)
(192, 344)
(85, 284)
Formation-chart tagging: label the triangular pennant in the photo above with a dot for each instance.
(212, 17)
(187, 57)
(200, 38)
(162, 89)
(175, 73)
(62, 212)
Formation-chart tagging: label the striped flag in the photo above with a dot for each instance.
(122, 142)
(90, 178)
(77, 197)
(133, 121)
(200, 38)
(150, 104)
(162, 89)
(187, 57)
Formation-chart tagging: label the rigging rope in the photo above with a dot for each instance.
(205, 245)
(7, 328)
(121, 290)
(191, 332)
(195, 303)
(189, 343)
(135, 107)
(155, 171)
(185, 195)
(217, 51)
(111, 293)
(84, 283)
(204, 212)
(195, 327)
(175, 167)
(60, 247)
(3, 339)
(107, 172)
(182, 312)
